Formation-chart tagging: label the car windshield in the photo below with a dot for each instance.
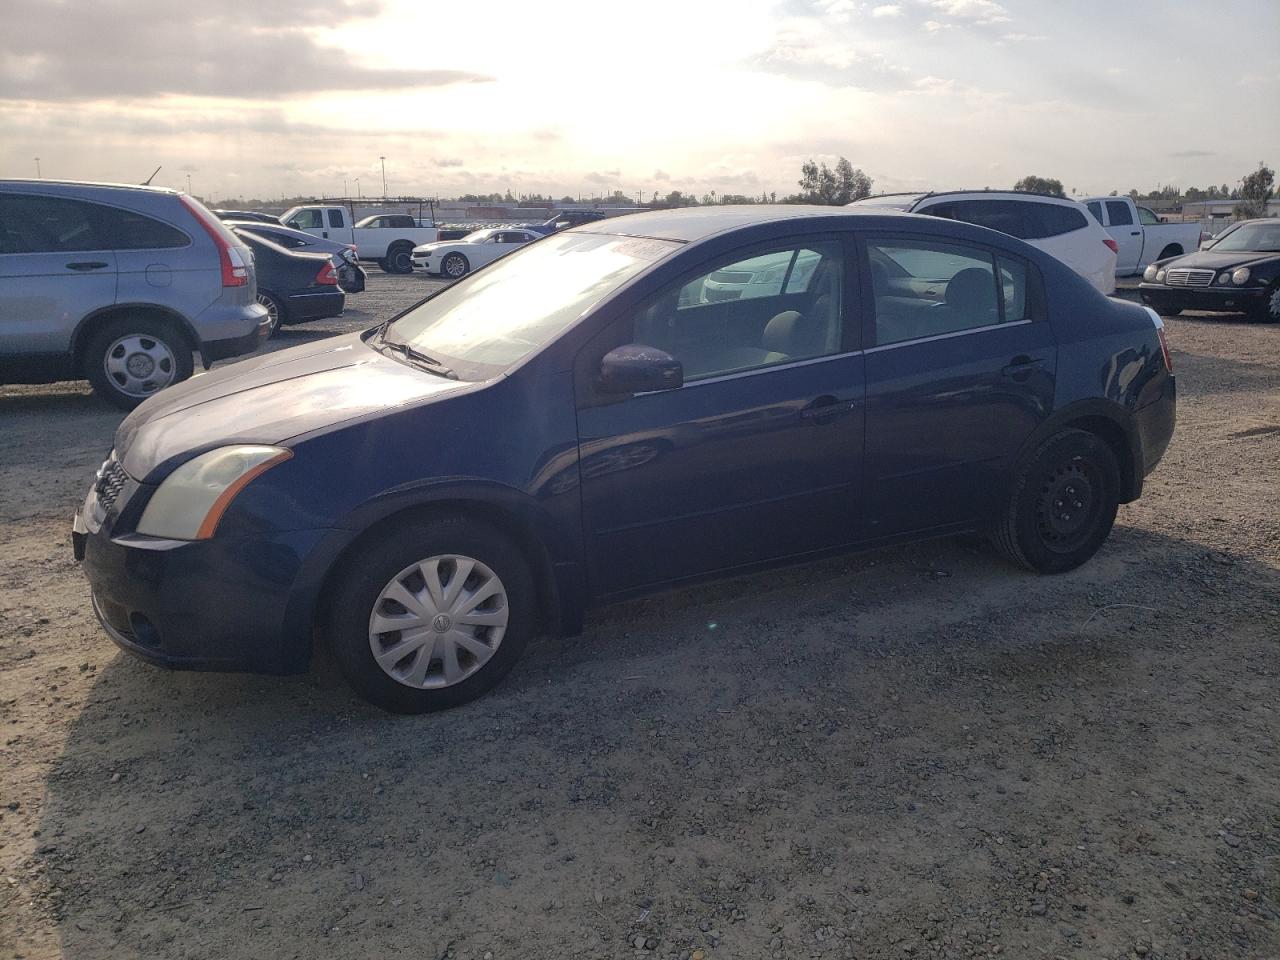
(503, 313)
(1260, 237)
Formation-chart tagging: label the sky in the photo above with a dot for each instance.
(267, 98)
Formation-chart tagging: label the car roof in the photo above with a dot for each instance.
(689, 224)
(135, 187)
(912, 198)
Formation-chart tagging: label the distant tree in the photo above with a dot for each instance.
(1040, 185)
(1113, 193)
(820, 184)
(1255, 191)
(737, 198)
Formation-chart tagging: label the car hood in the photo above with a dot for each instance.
(1206, 259)
(271, 399)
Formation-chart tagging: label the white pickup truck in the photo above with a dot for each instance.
(1141, 236)
(386, 239)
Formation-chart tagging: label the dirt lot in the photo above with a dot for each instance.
(916, 752)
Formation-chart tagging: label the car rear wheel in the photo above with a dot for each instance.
(432, 615)
(400, 258)
(1063, 505)
(455, 265)
(275, 311)
(130, 359)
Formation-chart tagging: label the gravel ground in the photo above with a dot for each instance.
(914, 752)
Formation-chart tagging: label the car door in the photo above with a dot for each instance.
(1126, 234)
(960, 371)
(55, 269)
(153, 264)
(757, 456)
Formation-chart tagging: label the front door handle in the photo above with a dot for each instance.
(88, 265)
(1020, 368)
(1136, 233)
(826, 408)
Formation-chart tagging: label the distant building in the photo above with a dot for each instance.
(1218, 209)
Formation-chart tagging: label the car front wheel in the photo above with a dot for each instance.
(432, 615)
(1268, 309)
(455, 265)
(128, 360)
(1063, 505)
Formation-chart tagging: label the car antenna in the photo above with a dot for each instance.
(147, 182)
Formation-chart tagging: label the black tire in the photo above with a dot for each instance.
(276, 310)
(1063, 504)
(147, 331)
(400, 258)
(455, 266)
(362, 578)
(1267, 310)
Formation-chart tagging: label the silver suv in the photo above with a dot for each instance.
(119, 285)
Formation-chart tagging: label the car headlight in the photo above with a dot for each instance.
(1224, 277)
(1149, 274)
(1240, 276)
(192, 499)
(1160, 275)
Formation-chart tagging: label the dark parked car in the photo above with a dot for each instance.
(576, 423)
(351, 276)
(119, 285)
(294, 286)
(1238, 271)
(252, 215)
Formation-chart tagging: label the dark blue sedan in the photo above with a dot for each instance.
(612, 410)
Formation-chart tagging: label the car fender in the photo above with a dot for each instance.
(1116, 423)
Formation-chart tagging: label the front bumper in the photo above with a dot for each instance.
(218, 604)
(1226, 299)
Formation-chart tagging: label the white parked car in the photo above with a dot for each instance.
(457, 258)
(1061, 227)
(1142, 237)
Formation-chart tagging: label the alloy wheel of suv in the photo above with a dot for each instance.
(128, 360)
(431, 614)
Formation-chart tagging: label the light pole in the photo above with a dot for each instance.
(358, 194)
(188, 183)
(38, 177)
(344, 186)
(384, 177)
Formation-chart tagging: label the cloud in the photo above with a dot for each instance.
(67, 51)
(887, 10)
(450, 162)
(933, 26)
(799, 56)
(661, 175)
(977, 11)
(1189, 154)
(605, 178)
(1021, 37)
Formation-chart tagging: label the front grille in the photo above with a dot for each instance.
(1187, 277)
(111, 480)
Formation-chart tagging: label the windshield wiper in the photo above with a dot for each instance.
(409, 353)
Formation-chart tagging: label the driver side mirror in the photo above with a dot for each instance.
(636, 368)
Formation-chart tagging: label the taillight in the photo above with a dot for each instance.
(1164, 348)
(326, 276)
(235, 271)
(1115, 247)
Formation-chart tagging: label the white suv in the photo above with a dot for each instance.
(1058, 226)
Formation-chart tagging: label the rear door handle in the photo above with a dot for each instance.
(826, 408)
(1020, 368)
(1136, 233)
(88, 265)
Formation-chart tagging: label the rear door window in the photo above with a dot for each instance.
(1052, 219)
(335, 218)
(1003, 215)
(1118, 212)
(128, 230)
(35, 224)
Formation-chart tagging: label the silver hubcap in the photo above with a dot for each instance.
(1275, 303)
(139, 365)
(438, 621)
(273, 314)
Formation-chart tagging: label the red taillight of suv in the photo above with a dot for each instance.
(326, 276)
(1115, 247)
(235, 271)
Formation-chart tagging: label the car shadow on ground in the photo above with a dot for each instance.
(799, 738)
